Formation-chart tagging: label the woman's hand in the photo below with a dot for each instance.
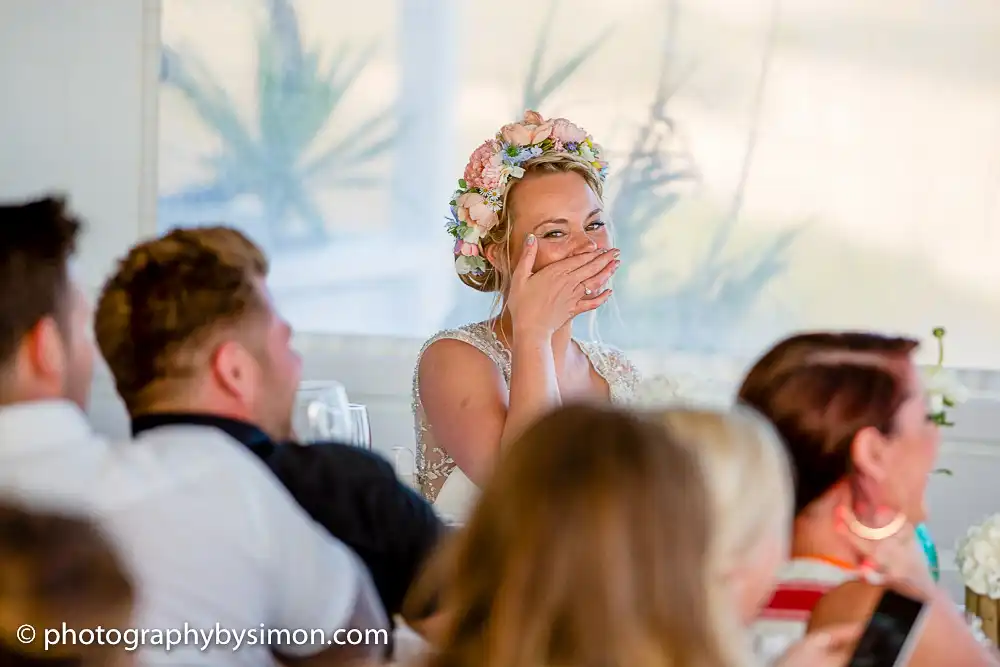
(824, 648)
(897, 560)
(542, 302)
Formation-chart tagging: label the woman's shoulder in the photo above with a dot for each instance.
(479, 335)
(463, 345)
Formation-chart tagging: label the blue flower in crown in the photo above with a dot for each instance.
(476, 204)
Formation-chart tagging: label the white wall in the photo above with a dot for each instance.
(78, 114)
(82, 119)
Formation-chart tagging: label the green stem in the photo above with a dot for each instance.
(940, 341)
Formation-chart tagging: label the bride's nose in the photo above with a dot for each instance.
(583, 243)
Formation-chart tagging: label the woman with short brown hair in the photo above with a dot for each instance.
(852, 412)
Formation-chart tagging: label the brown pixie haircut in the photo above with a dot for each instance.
(588, 546)
(57, 569)
(819, 390)
(37, 239)
(167, 299)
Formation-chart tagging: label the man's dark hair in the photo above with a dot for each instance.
(37, 238)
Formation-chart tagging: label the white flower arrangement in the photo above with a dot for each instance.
(978, 558)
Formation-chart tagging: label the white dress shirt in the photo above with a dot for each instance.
(211, 539)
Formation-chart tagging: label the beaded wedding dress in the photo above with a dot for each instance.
(440, 479)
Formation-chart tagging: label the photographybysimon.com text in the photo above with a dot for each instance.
(203, 639)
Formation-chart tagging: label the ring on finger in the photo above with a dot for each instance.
(588, 291)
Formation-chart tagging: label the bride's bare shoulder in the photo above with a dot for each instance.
(455, 356)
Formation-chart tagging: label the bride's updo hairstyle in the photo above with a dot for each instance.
(587, 547)
(480, 214)
(820, 390)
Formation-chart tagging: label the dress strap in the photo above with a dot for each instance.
(480, 336)
(611, 364)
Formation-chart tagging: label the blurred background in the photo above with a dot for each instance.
(774, 166)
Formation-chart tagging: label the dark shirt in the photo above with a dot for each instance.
(352, 492)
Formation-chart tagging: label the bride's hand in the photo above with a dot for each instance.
(898, 559)
(824, 648)
(546, 300)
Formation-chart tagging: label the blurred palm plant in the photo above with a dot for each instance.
(536, 92)
(705, 310)
(275, 157)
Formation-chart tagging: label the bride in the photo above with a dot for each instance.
(530, 226)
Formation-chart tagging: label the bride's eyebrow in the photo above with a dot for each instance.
(564, 221)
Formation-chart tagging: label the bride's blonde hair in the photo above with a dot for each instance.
(749, 482)
(587, 549)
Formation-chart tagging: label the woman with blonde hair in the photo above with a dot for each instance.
(529, 226)
(749, 485)
(592, 545)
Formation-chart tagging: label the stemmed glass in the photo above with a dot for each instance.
(361, 431)
(406, 474)
(322, 412)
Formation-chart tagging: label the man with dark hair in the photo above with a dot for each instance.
(45, 345)
(211, 539)
(188, 329)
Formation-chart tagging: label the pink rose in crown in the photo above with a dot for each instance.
(478, 163)
(532, 130)
(566, 132)
(533, 118)
(467, 249)
(471, 209)
(493, 172)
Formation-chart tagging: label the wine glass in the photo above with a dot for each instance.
(322, 412)
(361, 431)
(407, 474)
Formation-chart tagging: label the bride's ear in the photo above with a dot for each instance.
(493, 255)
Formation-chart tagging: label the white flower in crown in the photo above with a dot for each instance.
(943, 389)
(978, 558)
(655, 391)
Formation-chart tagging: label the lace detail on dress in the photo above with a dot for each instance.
(433, 465)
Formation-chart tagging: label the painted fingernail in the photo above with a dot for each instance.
(618, 253)
(618, 263)
(531, 239)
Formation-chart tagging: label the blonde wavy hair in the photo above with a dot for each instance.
(587, 549)
(749, 481)
(497, 278)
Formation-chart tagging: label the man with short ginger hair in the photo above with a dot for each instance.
(191, 335)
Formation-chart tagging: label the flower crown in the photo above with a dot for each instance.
(476, 205)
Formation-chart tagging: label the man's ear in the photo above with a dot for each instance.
(45, 348)
(234, 369)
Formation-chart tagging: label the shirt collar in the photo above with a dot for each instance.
(244, 432)
(37, 425)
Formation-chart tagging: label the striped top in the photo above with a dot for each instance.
(801, 584)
